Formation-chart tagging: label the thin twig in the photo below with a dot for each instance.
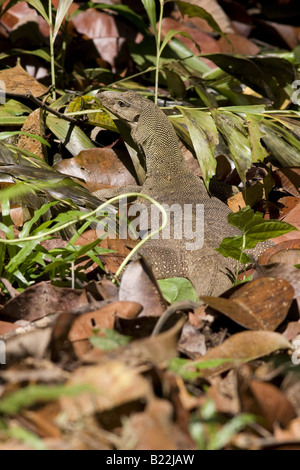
(43, 105)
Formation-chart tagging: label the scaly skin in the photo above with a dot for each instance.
(169, 180)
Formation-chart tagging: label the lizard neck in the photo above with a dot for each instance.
(156, 137)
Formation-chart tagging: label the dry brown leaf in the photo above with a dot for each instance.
(258, 305)
(139, 283)
(284, 253)
(236, 202)
(111, 385)
(289, 179)
(265, 400)
(205, 41)
(85, 324)
(121, 249)
(154, 429)
(42, 422)
(34, 124)
(284, 33)
(100, 168)
(32, 343)
(19, 82)
(42, 299)
(292, 330)
(292, 218)
(5, 327)
(282, 270)
(243, 347)
(107, 34)
(192, 343)
(289, 203)
(240, 45)
(216, 12)
(224, 392)
(157, 350)
(102, 290)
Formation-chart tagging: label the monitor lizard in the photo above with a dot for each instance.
(170, 181)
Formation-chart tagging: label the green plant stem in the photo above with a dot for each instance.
(158, 52)
(240, 259)
(93, 213)
(52, 50)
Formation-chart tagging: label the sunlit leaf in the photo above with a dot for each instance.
(62, 9)
(71, 136)
(26, 397)
(177, 288)
(233, 129)
(110, 341)
(204, 136)
(6, 135)
(150, 7)
(38, 5)
(285, 153)
(171, 33)
(229, 430)
(255, 229)
(258, 152)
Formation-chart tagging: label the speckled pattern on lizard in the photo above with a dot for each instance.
(170, 181)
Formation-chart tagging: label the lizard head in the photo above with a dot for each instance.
(127, 106)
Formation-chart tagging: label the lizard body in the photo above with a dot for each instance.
(170, 181)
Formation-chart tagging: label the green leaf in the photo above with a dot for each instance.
(27, 437)
(36, 217)
(282, 131)
(204, 136)
(99, 118)
(189, 370)
(175, 83)
(150, 8)
(9, 120)
(22, 255)
(62, 9)
(112, 340)
(243, 110)
(233, 129)
(15, 108)
(37, 4)
(42, 53)
(177, 288)
(173, 32)
(254, 228)
(71, 136)
(7, 134)
(208, 410)
(29, 396)
(231, 247)
(229, 430)
(266, 75)
(191, 61)
(258, 152)
(285, 153)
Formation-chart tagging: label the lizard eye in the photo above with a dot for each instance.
(121, 104)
